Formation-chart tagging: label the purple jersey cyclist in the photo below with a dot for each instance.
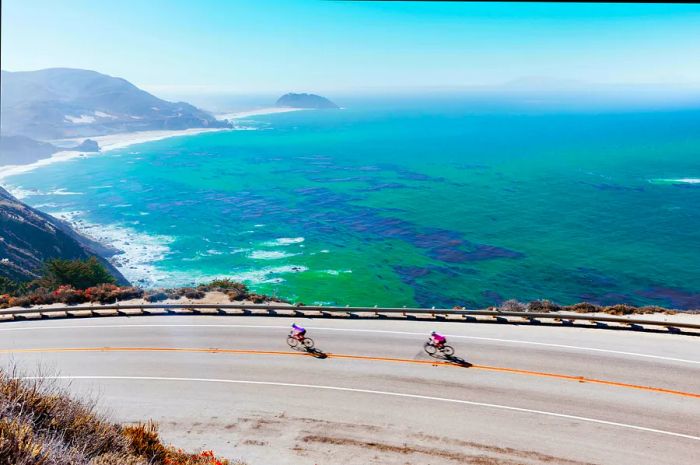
(298, 332)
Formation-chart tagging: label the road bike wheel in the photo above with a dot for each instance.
(448, 351)
(292, 341)
(308, 342)
(429, 348)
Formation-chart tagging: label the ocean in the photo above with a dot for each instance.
(391, 202)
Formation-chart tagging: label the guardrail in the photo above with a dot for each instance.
(312, 311)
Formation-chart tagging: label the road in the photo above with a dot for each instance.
(532, 394)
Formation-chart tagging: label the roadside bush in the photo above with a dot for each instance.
(40, 424)
(144, 442)
(513, 305)
(189, 292)
(224, 285)
(655, 309)
(620, 309)
(109, 293)
(156, 296)
(22, 301)
(111, 458)
(583, 307)
(47, 412)
(41, 296)
(257, 298)
(69, 296)
(543, 306)
(235, 296)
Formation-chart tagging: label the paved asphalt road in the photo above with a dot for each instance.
(235, 386)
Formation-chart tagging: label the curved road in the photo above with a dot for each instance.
(531, 395)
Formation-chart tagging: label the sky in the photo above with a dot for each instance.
(313, 45)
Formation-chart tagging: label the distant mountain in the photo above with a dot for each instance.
(60, 103)
(305, 101)
(29, 237)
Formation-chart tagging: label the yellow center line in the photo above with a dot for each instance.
(439, 363)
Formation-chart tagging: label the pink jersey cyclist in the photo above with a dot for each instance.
(437, 339)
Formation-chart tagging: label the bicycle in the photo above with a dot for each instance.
(432, 349)
(294, 342)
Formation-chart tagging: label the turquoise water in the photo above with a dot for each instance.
(434, 202)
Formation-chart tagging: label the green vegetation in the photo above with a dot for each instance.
(74, 282)
(7, 286)
(79, 274)
(41, 424)
(57, 273)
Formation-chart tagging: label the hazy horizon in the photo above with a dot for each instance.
(356, 47)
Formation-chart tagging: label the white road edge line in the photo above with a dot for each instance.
(379, 331)
(370, 391)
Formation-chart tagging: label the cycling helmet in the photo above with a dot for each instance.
(433, 333)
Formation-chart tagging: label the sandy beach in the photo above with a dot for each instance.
(121, 140)
(258, 112)
(106, 143)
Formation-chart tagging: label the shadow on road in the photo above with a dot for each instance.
(457, 361)
(316, 353)
(451, 359)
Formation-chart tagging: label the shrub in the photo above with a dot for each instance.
(45, 410)
(144, 442)
(655, 309)
(543, 306)
(41, 296)
(513, 305)
(156, 296)
(226, 284)
(40, 424)
(188, 292)
(22, 301)
(620, 309)
(109, 293)
(68, 295)
(257, 298)
(80, 274)
(583, 307)
(195, 294)
(235, 296)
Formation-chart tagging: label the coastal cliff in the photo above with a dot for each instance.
(28, 238)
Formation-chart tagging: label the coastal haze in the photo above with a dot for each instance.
(364, 154)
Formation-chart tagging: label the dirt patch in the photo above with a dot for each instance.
(489, 455)
(254, 442)
(322, 441)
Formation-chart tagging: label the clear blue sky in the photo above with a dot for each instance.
(274, 45)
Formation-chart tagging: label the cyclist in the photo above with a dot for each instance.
(298, 332)
(438, 340)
